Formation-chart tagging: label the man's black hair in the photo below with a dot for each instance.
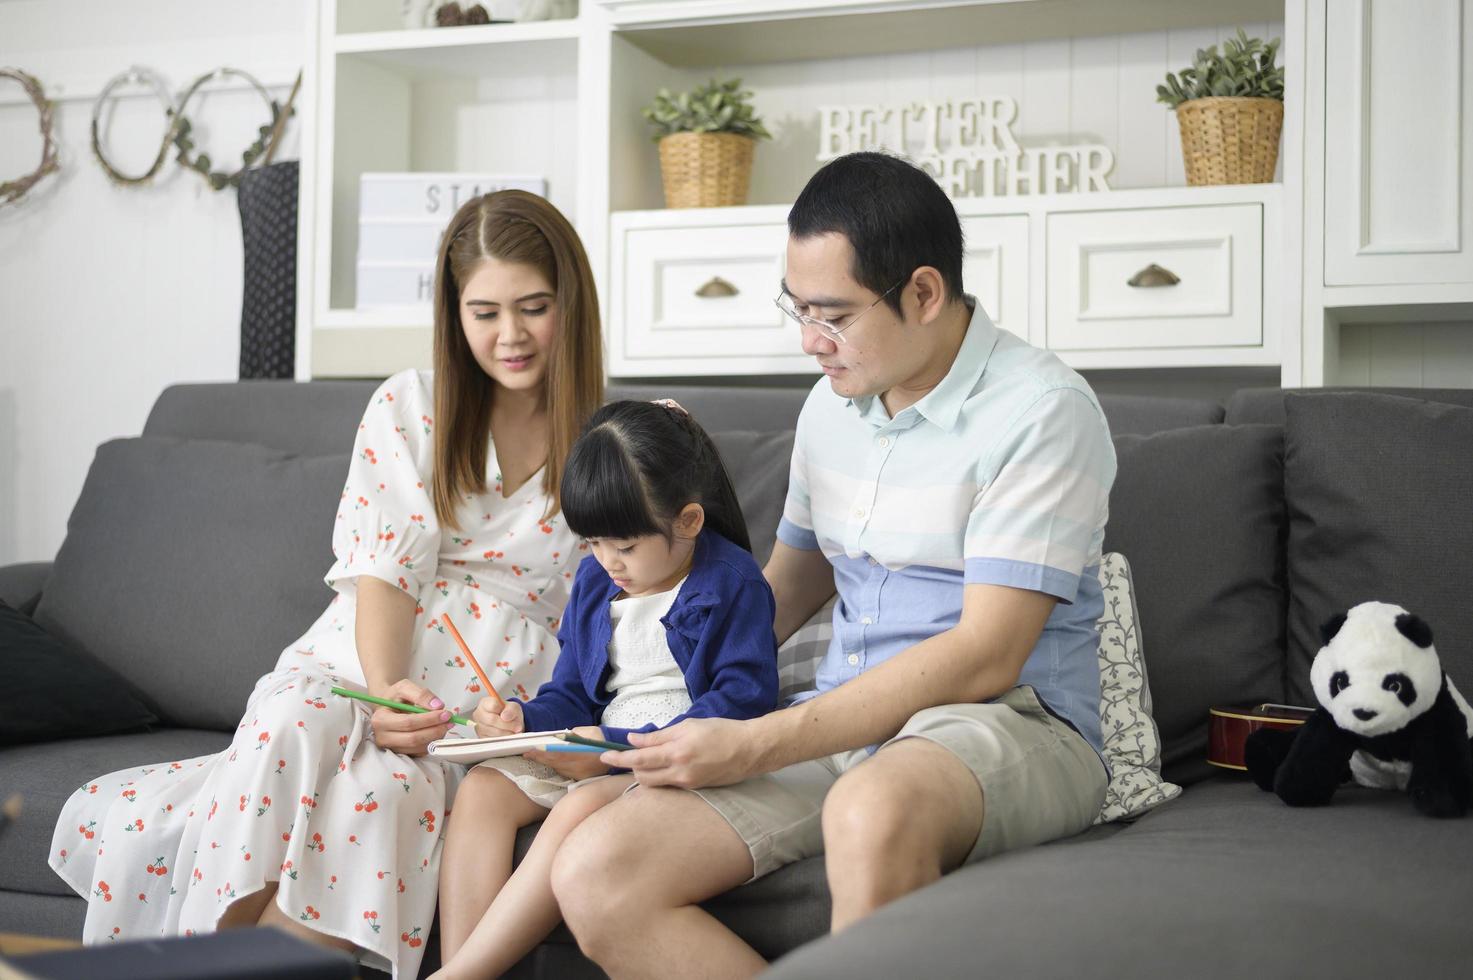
(895, 216)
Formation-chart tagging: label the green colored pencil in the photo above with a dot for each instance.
(611, 746)
(396, 705)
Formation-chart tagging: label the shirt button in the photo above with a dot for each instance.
(873, 561)
(859, 512)
(867, 621)
(853, 659)
(884, 442)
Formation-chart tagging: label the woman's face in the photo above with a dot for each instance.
(509, 315)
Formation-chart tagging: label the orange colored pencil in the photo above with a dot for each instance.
(455, 635)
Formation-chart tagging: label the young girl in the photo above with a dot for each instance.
(669, 618)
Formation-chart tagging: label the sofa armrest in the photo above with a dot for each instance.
(20, 585)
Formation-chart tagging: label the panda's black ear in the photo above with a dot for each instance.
(1414, 629)
(1331, 627)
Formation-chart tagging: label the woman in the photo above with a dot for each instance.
(321, 817)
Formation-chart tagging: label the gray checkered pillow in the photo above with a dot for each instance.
(798, 658)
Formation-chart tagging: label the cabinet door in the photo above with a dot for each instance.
(995, 267)
(1398, 142)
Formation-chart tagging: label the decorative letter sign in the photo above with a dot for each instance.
(967, 145)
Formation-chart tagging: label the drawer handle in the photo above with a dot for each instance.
(716, 288)
(1152, 276)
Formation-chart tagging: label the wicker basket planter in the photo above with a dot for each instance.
(706, 170)
(1230, 139)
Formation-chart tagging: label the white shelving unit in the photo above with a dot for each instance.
(561, 98)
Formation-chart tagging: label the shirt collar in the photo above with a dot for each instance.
(942, 405)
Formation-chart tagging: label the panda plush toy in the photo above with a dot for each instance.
(1388, 717)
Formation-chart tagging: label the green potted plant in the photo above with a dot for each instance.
(1230, 108)
(706, 138)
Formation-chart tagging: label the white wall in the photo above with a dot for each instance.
(109, 294)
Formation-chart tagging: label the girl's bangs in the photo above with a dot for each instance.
(601, 492)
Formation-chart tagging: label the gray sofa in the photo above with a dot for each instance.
(1245, 524)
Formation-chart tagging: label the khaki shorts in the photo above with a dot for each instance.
(1040, 779)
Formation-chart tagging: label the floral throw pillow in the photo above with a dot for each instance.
(1132, 744)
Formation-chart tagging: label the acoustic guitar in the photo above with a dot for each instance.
(1229, 728)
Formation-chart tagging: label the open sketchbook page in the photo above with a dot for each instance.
(472, 750)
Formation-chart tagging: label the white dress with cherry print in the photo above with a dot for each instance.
(303, 795)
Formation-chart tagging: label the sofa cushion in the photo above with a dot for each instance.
(1380, 489)
(758, 463)
(1266, 405)
(1132, 745)
(53, 691)
(1145, 415)
(266, 413)
(1199, 513)
(47, 773)
(1227, 882)
(189, 565)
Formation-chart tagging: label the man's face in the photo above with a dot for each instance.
(879, 350)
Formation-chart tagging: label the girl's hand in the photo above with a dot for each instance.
(403, 732)
(574, 765)
(494, 717)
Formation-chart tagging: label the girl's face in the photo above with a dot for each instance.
(509, 315)
(651, 563)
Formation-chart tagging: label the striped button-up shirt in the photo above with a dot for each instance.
(1000, 475)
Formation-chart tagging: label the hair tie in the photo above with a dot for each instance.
(670, 404)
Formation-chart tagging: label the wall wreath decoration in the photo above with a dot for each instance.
(134, 76)
(201, 163)
(13, 190)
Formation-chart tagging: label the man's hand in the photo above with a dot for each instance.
(494, 717)
(403, 732)
(697, 752)
(574, 765)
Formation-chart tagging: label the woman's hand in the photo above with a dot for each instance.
(574, 765)
(494, 717)
(405, 732)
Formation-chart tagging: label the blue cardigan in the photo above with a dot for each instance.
(719, 630)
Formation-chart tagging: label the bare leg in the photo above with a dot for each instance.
(895, 823)
(247, 911)
(630, 878)
(525, 910)
(479, 842)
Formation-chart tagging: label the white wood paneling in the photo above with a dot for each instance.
(1398, 159)
(1068, 90)
(109, 294)
(1408, 355)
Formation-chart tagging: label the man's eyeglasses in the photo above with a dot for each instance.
(831, 329)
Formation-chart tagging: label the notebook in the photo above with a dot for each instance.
(469, 751)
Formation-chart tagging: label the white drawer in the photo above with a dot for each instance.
(1215, 254)
(702, 293)
(995, 268)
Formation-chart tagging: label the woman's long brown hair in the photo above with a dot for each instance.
(512, 226)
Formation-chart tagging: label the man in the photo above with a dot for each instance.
(952, 483)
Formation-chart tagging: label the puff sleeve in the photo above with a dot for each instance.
(386, 525)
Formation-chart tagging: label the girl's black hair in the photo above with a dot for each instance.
(636, 465)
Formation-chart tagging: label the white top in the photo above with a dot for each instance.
(645, 683)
